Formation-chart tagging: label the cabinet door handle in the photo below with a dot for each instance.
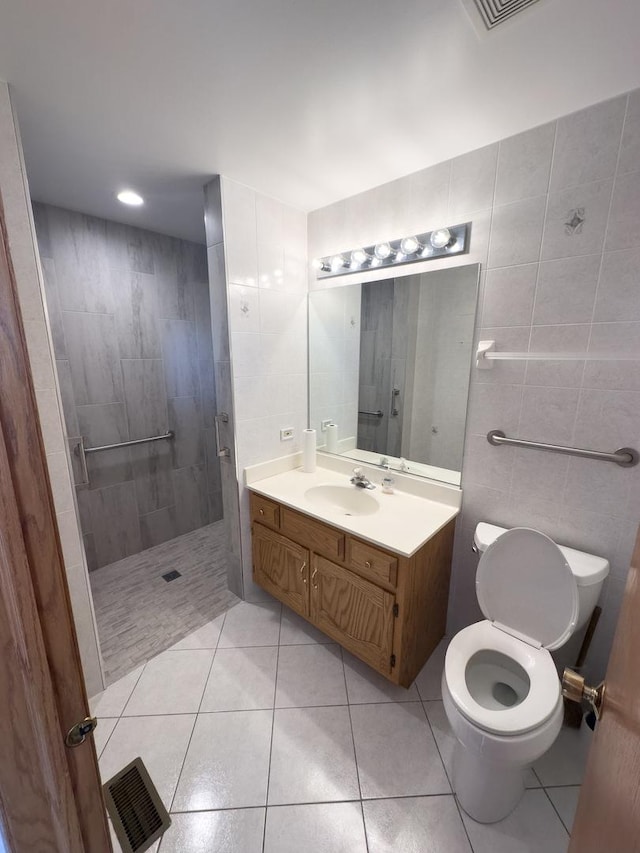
(313, 578)
(367, 564)
(303, 567)
(261, 511)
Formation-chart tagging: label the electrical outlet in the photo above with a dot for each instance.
(286, 434)
(325, 424)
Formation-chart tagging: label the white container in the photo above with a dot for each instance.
(332, 438)
(309, 451)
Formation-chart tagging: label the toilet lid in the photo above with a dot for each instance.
(525, 584)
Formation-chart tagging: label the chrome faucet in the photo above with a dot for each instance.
(360, 481)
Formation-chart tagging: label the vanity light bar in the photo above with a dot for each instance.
(427, 246)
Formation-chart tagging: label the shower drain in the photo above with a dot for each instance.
(171, 576)
(135, 808)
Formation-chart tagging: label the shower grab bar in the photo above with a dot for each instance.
(377, 414)
(169, 435)
(81, 451)
(222, 452)
(626, 457)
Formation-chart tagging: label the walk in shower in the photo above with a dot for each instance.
(130, 318)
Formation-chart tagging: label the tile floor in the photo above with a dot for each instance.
(139, 614)
(262, 735)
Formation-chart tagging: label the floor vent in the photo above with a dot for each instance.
(171, 576)
(135, 808)
(494, 12)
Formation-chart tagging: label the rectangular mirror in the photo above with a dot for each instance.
(389, 368)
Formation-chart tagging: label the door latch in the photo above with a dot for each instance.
(78, 734)
(574, 689)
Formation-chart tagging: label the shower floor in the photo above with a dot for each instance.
(139, 614)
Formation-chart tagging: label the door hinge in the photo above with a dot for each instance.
(392, 661)
(396, 610)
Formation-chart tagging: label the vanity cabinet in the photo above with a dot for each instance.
(387, 609)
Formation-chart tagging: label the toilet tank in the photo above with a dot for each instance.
(588, 570)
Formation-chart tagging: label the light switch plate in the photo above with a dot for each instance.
(286, 434)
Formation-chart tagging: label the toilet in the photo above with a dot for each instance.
(500, 687)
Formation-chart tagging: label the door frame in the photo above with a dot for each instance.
(50, 796)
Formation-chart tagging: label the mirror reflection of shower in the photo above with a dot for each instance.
(402, 368)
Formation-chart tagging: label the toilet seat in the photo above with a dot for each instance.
(544, 690)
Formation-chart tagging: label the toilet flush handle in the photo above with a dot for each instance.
(574, 689)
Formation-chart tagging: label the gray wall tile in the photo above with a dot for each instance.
(152, 473)
(180, 352)
(115, 524)
(79, 250)
(53, 308)
(129, 249)
(93, 358)
(158, 527)
(145, 396)
(136, 314)
(185, 420)
(68, 400)
(192, 505)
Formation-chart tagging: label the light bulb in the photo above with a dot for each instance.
(337, 262)
(359, 256)
(410, 245)
(130, 197)
(440, 238)
(383, 251)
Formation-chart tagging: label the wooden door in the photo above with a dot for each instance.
(282, 568)
(50, 796)
(354, 611)
(608, 816)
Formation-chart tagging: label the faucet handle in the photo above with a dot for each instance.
(358, 472)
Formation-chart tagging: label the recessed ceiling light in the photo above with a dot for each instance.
(130, 197)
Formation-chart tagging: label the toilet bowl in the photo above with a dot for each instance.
(500, 686)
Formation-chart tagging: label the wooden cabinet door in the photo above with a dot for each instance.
(355, 612)
(282, 568)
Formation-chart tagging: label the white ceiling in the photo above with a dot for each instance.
(306, 100)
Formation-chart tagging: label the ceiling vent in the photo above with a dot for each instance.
(494, 12)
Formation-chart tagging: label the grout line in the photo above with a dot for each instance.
(195, 721)
(313, 803)
(568, 831)
(273, 724)
(353, 739)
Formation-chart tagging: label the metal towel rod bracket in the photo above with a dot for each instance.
(626, 457)
(377, 414)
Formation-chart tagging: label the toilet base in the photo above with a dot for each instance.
(486, 792)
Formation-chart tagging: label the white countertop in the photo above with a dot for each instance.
(403, 523)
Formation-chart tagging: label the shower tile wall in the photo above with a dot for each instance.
(130, 318)
(549, 283)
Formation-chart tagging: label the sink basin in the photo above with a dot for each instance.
(342, 500)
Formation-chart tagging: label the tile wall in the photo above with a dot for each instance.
(265, 246)
(130, 319)
(21, 235)
(556, 227)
